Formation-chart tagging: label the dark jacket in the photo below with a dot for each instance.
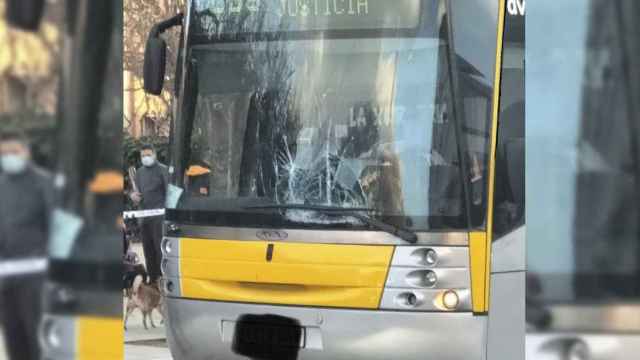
(26, 204)
(152, 182)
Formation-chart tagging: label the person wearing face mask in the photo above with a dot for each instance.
(151, 182)
(26, 202)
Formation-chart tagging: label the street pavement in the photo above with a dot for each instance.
(141, 344)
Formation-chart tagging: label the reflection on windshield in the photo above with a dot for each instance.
(343, 134)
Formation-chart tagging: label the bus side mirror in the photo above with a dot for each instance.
(155, 55)
(155, 61)
(25, 14)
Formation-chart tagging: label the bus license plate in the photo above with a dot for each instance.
(280, 339)
(269, 335)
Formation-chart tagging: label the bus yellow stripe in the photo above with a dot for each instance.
(483, 306)
(479, 275)
(337, 275)
(99, 338)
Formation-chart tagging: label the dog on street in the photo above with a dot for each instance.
(145, 297)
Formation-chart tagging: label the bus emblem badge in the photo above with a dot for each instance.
(272, 235)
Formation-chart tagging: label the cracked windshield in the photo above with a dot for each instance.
(337, 104)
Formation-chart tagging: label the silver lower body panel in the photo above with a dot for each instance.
(549, 346)
(199, 330)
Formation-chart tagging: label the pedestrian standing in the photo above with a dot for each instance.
(151, 181)
(26, 194)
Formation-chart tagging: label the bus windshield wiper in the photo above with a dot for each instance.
(405, 234)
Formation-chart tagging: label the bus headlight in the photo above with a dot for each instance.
(450, 300)
(164, 266)
(412, 300)
(167, 246)
(50, 334)
(430, 279)
(577, 350)
(408, 300)
(430, 257)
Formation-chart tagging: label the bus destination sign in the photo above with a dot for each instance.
(305, 15)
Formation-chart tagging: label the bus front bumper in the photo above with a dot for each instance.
(205, 329)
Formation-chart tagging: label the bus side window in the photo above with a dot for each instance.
(509, 202)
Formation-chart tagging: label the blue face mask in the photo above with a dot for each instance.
(13, 164)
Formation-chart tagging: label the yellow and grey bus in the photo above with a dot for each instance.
(341, 186)
(82, 301)
(583, 217)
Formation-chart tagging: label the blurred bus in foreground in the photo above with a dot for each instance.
(83, 302)
(583, 216)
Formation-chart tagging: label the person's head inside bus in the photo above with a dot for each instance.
(148, 155)
(15, 154)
